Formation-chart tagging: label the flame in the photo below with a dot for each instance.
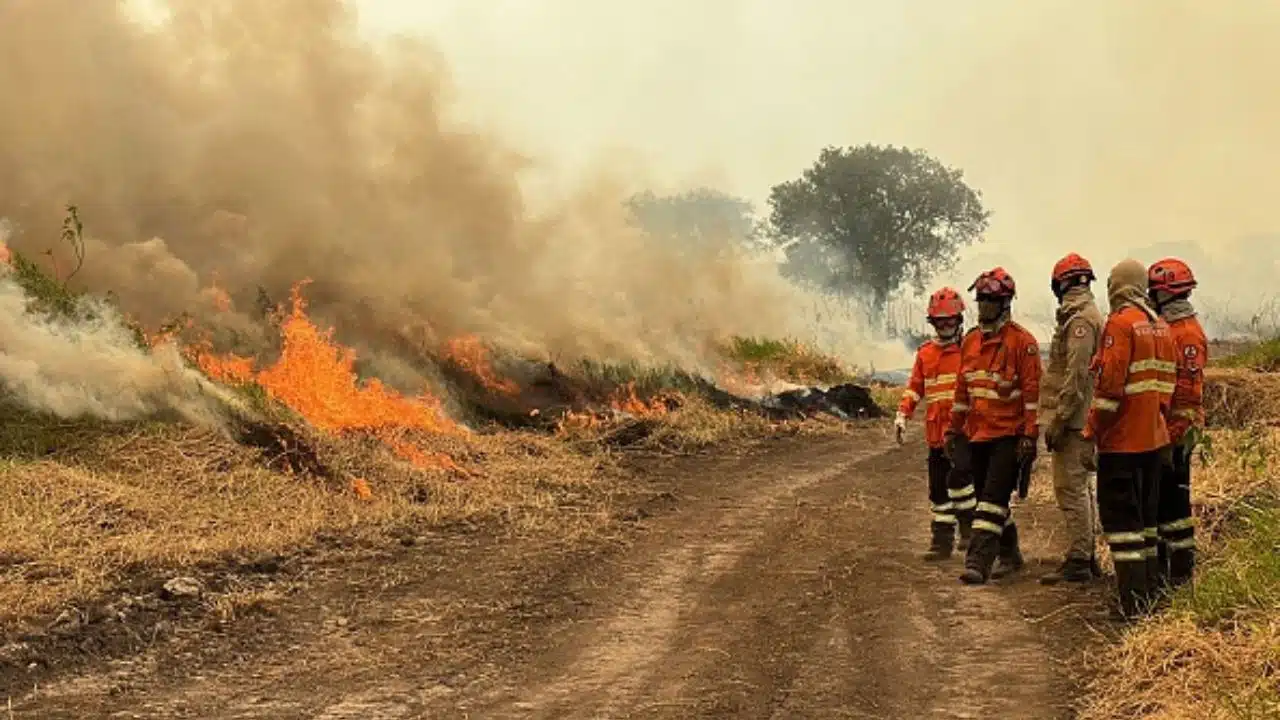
(471, 354)
(626, 400)
(361, 488)
(423, 459)
(314, 377)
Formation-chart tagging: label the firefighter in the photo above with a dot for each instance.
(933, 380)
(1170, 283)
(993, 422)
(1064, 405)
(1128, 419)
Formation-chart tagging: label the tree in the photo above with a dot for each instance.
(870, 219)
(697, 216)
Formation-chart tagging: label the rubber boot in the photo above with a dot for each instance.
(965, 521)
(943, 537)
(1010, 557)
(983, 548)
(1074, 570)
(1157, 580)
(1182, 565)
(1131, 589)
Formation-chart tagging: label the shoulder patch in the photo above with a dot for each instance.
(1110, 340)
(1032, 349)
(1079, 331)
(1190, 351)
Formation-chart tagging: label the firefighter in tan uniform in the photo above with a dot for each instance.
(1065, 393)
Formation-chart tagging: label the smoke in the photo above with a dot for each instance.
(1110, 129)
(92, 367)
(250, 145)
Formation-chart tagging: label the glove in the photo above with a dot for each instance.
(1053, 436)
(900, 426)
(1026, 449)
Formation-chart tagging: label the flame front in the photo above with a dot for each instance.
(315, 377)
(470, 354)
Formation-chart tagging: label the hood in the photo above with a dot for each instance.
(1127, 286)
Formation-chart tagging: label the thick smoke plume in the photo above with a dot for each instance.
(92, 367)
(242, 144)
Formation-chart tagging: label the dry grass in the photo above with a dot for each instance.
(85, 507)
(1236, 398)
(888, 397)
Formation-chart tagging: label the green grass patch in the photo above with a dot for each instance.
(786, 359)
(1241, 577)
(1264, 357)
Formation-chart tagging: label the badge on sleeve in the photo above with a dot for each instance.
(1080, 331)
(1110, 341)
(1190, 351)
(1032, 350)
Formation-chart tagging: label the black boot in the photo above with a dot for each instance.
(1074, 570)
(1010, 557)
(1131, 589)
(943, 537)
(965, 521)
(983, 548)
(1182, 564)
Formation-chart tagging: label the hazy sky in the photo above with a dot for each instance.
(1090, 125)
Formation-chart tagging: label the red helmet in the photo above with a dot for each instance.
(995, 283)
(945, 303)
(1070, 267)
(1172, 276)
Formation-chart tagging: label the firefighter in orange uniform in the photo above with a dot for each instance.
(993, 429)
(933, 381)
(1128, 419)
(1170, 284)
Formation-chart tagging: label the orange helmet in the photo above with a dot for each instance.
(1070, 267)
(945, 303)
(996, 283)
(1172, 276)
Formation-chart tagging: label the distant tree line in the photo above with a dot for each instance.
(865, 221)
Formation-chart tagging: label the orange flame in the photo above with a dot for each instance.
(626, 400)
(361, 488)
(471, 354)
(428, 460)
(314, 376)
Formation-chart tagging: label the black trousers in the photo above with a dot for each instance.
(995, 477)
(951, 495)
(1176, 529)
(1128, 503)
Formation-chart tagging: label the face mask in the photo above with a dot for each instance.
(990, 310)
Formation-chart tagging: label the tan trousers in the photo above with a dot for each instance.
(1076, 494)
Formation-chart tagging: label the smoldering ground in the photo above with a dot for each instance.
(250, 145)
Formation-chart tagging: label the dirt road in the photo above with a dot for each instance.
(783, 584)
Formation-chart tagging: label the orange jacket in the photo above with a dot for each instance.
(933, 379)
(1191, 348)
(998, 386)
(1134, 372)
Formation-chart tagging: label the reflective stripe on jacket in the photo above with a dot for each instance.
(933, 381)
(998, 386)
(1133, 385)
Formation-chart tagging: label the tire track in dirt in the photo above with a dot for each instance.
(783, 584)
